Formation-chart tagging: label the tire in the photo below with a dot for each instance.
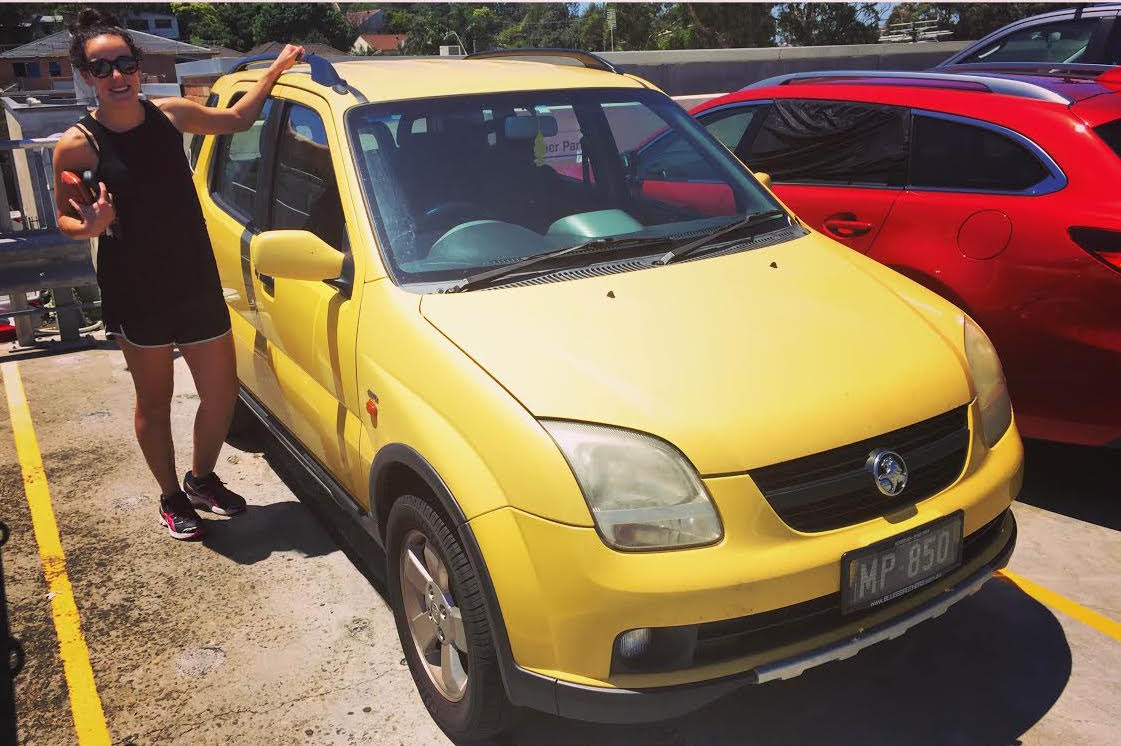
(481, 710)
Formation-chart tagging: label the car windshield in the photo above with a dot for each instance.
(469, 183)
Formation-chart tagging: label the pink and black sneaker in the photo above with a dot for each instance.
(210, 493)
(180, 519)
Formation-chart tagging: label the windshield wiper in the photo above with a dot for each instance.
(693, 247)
(481, 279)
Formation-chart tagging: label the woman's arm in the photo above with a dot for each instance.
(195, 119)
(76, 219)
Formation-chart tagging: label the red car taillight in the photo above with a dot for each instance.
(1100, 243)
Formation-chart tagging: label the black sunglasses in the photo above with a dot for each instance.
(125, 64)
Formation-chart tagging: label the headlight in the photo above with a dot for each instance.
(642, 492)
(988, 383)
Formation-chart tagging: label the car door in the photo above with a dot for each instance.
(311, 326)
(978, 192)
(229, 179)
(839, 165)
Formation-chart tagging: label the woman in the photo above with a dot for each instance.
(156, 270)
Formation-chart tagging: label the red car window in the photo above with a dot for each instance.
(1111, 133)
(832, 142)
(954, 155)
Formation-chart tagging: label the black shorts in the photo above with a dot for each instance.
(178, 324)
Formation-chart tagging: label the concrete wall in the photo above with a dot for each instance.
(700, 71)
(692, 71)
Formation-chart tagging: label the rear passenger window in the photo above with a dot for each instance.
(196, 140)
(1113, 53)
(1111, 133)
(954, 155)
(237, 166)
(305, 192)
(1060, 41)
(832, 142)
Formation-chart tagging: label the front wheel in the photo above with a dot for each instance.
(443, 624)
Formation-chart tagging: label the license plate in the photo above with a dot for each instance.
(888, 569)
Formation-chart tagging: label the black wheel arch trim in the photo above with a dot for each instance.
(523, 688)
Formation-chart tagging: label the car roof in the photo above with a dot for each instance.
(1065, 89)
(401, 79)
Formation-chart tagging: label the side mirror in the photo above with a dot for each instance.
(763, 178)
(295, 255)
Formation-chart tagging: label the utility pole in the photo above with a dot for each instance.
(611, 24)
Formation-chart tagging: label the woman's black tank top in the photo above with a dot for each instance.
(160, 255)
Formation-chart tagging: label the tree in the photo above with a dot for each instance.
(299, 23)
(816, 24)
(713, 25)
(543, 25)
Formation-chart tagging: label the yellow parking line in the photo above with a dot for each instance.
(1047, 596)
(89, 719)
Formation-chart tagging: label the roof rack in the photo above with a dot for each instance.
(1070, 69)
(587, 59)
(993, 84)
(322, 71)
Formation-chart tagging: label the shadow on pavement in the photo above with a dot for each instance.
(981, 675)
(264, 529)
(1076, 481)
(313, 526)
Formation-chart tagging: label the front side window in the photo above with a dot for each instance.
(1113, 53)
(1060, 41)
(730, 125)
(832, 142)
(305, 193)
(954, 155)
(196, 140)
(456, 185)
(237, 166)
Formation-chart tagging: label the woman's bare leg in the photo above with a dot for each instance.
(152, 376)
(214, 368)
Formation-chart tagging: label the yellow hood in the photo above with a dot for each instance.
(737, 363)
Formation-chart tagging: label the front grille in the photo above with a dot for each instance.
(834, 488)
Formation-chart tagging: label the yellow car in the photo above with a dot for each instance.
(630, 434)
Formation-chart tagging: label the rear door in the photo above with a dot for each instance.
(839, 165)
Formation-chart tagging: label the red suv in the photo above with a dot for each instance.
(1000, 190)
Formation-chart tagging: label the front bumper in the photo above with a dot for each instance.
(621, 705)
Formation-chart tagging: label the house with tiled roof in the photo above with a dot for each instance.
(379, 44)
(44, 64)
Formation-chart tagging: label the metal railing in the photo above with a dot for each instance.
(34, 254)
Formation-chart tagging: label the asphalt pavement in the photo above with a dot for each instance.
(276, 629)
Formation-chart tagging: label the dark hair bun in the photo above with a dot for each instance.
(95, 18)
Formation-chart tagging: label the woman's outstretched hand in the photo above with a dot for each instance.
(287, 57)
(96, 216)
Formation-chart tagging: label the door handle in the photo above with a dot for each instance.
(267, 282)
(847, 226)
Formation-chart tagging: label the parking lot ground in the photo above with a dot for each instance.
(275, 630)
